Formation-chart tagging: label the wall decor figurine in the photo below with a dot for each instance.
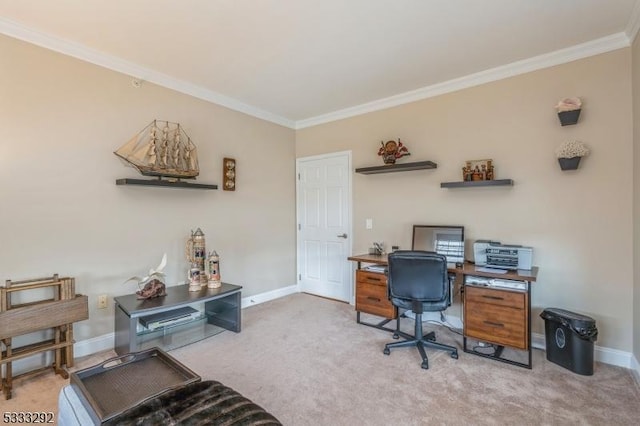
(569, 154)
(569, 110)
(152, 285)
(477, 170)
(392, 150)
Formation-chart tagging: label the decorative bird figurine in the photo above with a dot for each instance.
(152, 285)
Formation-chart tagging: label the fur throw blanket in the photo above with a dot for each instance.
(201, 403)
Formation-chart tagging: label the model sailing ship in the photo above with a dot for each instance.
(162, 149)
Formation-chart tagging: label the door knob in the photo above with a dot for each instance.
(342, 235)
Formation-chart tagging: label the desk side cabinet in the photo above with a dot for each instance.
(371, 295)
(500, 317)
(496, 316)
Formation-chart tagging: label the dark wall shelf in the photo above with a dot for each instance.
(403, 167)
(165, 183)
(469, 184)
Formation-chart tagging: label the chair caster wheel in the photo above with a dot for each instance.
(425, 365)
(454, 355)
(396, 336)
(386, 351)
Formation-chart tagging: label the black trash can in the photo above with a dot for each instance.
(569, 338)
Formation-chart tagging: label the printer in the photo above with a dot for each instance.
(493, 254)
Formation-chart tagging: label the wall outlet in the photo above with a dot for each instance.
(368, 223)
(102, 301)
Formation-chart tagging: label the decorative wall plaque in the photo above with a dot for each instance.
(229, 174)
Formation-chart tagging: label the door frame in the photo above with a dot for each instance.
(348, 154)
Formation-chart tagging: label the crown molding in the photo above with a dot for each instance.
(76, 50)
(634, 23)
(79, 51)
(558, 57)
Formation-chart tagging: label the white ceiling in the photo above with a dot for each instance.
(302, 62)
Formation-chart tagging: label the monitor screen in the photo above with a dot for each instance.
(443, 239)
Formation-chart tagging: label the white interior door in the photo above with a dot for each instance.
(323, 197)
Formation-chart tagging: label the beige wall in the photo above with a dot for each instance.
(635, 72)
(579, 222)
(62, 212)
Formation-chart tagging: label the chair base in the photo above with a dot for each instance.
(425, 341)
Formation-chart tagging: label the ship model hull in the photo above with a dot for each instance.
(162, 149)
(163, 173)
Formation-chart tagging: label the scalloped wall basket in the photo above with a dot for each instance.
(568, 118)
(569, 163)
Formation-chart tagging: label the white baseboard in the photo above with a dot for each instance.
(107, 341)
(94, 345)
(635, 368)
(270, 295)
(601, 354)
(538, 341)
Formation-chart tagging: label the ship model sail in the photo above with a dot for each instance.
(161, 149)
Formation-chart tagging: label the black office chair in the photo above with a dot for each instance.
(418, 280)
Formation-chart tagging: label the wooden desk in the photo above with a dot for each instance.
(467, 268)
(499, 316)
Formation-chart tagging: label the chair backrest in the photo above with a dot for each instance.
(418, 275)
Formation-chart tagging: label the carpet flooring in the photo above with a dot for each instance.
(307, 361)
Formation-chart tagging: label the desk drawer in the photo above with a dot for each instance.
(372, 298)
(496, 324)
(372, 278)
(510, 299)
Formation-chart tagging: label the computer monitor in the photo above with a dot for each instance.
(443, 239)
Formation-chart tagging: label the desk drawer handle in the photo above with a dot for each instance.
(493, 297)
(495, 324)
(375, 299)
(374, 279)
